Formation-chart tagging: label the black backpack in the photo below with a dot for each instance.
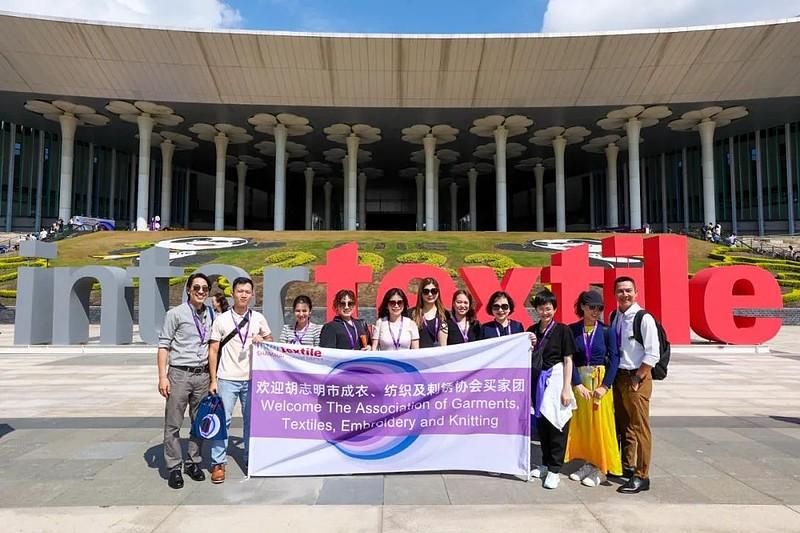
(659, 371)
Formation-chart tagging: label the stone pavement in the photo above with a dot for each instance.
(80, 449)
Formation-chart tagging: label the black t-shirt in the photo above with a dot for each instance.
(455, 335)
(429, 332)
(559, 343)
(334, 334)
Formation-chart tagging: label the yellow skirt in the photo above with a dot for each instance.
(592, 433)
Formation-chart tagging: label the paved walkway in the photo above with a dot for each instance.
(80, 449)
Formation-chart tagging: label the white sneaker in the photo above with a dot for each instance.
(539, 472)
(551, 481)
(582, 472)
(592, 479)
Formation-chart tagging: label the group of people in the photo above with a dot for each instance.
(45, 233)
(591, 381)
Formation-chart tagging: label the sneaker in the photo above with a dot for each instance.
(218, 474)
(582, 472)
(592, 479)
(539, 472)
(551, 481)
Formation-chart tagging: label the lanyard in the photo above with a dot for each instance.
(618, 329)
(588, 341)
(545, 336)
(434, 333)
(201, 327)
(351, 337)
(244, 337)
(396, 341)
(465, 331)
(299, 340)
(506, 329)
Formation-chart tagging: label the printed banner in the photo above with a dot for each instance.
(317, 411)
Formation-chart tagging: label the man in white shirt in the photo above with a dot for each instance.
(231, 379)
(633, 385)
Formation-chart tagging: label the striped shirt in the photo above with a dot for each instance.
(309, 337)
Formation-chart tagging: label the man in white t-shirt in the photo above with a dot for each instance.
(231, 379)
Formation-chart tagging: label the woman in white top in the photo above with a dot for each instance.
(394, 330)
(303, 331)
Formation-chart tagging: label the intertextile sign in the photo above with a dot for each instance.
(53, 303)
(326, 411)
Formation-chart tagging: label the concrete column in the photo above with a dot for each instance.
(732, 165)
(472, 177)
(346, 186)
(436, 164)
(352, 168)
(132, 192)
(685, 178)
(241, 182)
(453, 206)
(626, 195)
(706, 129)
(538, 173)
(112, 192)
(362, 201)
(787, 131)
(420, 179)
(167, 151)
(328, 188)
(664, 213)
(559, 146)
(612, 203)
(309, 175)
(39, 179)
(759, 185)
(90, 181)
(279, 211)
(221, 143)
(12, 140)
(633, 128)
(643, 191)
(151, 200)
(592, 224)
(501, 201)
(68, 124)
(145, 123)
(186, 193)
(429, 145)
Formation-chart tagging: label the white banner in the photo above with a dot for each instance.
(318, 411)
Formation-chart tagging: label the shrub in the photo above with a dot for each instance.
(8, 293)
(499, 262)
(371, 259)
(286, 259)
(429, 258)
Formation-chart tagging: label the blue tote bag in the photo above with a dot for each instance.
(210, 420)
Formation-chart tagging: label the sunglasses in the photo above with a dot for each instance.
(504, 307)
(432, 292)
(596, 307)
(396, 303)
(200, 288)
(345, 305)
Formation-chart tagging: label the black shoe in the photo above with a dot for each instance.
(635, 486)
(175, 479)
(194, 471)
(627, 472)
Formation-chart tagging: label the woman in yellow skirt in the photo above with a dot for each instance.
(592, 435)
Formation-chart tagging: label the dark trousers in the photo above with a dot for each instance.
(632, 410)
(553, 443)
(186, 388)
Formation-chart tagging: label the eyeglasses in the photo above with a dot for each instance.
(200, 288)
(432, 292)
(497, 307)
(346, 304)
(596, 307)
(396, 303)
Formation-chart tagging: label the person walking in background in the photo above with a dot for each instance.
(633, 385)
(461, 324)
(345, 332)
(592, 433)
(183, 376)
(394, 330)
(303, 331)
(429, 314)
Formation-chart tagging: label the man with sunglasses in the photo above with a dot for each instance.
(183, 377)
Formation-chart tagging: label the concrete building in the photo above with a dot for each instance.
(235, 129)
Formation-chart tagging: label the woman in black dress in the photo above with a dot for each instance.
(344, 331)
(429, 314)
(461, 324)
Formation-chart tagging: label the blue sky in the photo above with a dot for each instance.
(398, 16)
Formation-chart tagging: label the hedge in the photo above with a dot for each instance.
(787, 273)
(371, 259)
(285, 259)
(429, 258)
(499, 262)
